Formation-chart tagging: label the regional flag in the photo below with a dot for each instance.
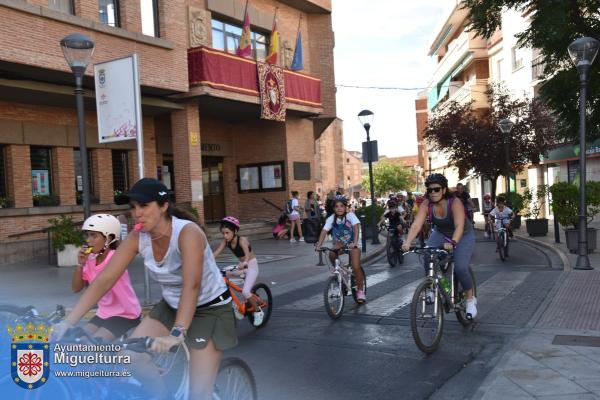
(298, 61)
(274, 43)
(245, 47)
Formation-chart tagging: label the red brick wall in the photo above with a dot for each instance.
(63, 174)
(103, 175)
(19, 175)
(34, 40)
(320, 44)
(301, 148)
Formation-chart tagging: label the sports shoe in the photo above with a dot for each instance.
(301, 239)
(360, 296)
(292, 240)
(429, 296)
(471, 310)
(258, 317)
(486, 235)
(237, 312)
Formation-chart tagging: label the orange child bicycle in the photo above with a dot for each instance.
(234, 278)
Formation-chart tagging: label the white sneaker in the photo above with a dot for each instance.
(292, 240)
(471, 310)
(429, 296)
(486, 235)
(301, 239)
(258, 317)
(237, 312)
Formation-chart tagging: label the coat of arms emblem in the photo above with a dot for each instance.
(30, 355)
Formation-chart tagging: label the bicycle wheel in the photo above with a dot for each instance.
(460, 301)
(235, 381)
(265, 302)
(333, 297)
(426, 320)
(399, 253)
(354, 286)
(391, 254)
(500, 245)
(506, 245)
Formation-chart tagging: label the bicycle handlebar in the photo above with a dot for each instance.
(139, 344)
(425, 249)
(323, 248)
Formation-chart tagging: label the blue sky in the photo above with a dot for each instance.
(383, 43)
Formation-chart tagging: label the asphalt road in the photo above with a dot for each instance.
(369, 352)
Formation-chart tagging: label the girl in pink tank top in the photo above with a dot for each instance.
(119, 309)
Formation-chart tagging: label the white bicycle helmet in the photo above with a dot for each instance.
(106, 224)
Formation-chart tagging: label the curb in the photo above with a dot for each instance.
(563, 257)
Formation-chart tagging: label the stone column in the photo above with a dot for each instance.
(103, 175)
(18, 173)
(63, 174)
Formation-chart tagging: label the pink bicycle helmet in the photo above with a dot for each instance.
(233, 221)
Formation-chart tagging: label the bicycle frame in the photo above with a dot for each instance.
(243, 306)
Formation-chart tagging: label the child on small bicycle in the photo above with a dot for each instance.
(395, 216)
(248, 265)
(344, 227)
(119, 309)
(502, 215)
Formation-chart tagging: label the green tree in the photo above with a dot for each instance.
(554, 24)
(388, 177)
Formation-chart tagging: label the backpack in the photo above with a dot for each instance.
(468, 211)
(288, 207)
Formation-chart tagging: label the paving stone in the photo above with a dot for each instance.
(582, 396)
(573, 367)
(504, 388)
(593, 385)
(543, 382)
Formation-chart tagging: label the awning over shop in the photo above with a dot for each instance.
(439, 91)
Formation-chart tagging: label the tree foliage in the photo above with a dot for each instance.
(554, 24)
(388, 177)
(473, 142)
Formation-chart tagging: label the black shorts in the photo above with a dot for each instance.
(115, 325)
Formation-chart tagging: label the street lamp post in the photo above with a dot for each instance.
(506, 126)
(78, 50)
(429, 150)
(583, 51)
(366, 119)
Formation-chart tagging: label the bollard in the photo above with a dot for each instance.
(320, 263)
(556, 231)
(363, 231)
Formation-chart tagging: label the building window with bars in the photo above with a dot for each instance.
(108, 12)
(4, 201)
(120, 171)
(79, 177)
(149, 10)
(226, 36)
(41, 177)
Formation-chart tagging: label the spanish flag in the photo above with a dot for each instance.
(245, 47)
(274, 43)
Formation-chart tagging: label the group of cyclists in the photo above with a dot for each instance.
(196, 304)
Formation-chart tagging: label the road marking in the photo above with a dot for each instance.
(316, 301)
(391, 302)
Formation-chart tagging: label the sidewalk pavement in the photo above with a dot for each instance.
(43, 286)
(558, 355)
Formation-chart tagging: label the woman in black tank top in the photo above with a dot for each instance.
(240, 247)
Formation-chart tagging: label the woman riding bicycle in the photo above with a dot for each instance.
(241, 248)
(451, 228)
(119, 309)
(195, 307)
(344, 227)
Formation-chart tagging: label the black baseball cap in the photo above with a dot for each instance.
(145, 190)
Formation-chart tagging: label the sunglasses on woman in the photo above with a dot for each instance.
(434, 189)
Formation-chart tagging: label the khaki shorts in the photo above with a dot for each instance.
(216, 323)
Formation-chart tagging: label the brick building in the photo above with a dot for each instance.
(202, 132)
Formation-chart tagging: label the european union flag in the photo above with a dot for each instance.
(298, 61)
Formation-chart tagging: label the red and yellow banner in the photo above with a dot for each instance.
(272, 91)
(224, 71)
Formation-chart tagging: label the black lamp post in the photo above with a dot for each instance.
(583, 51)
(429, 151)
(78, 50)
(506, 126)
(366, 119)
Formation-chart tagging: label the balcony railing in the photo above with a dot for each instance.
(537, 68)
(230, 73)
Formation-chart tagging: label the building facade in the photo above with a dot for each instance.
(354, 170)
(203, 136)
